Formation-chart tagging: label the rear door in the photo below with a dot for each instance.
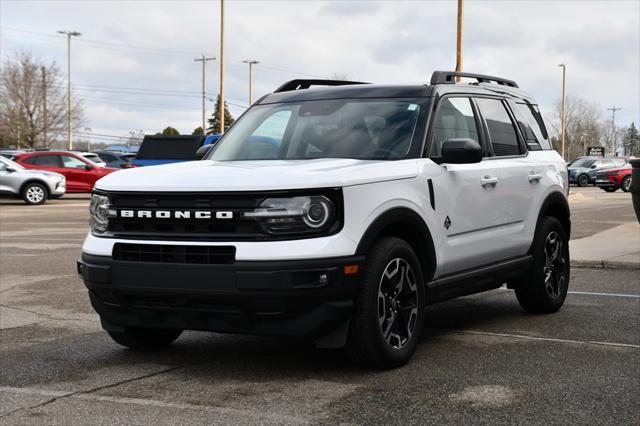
(466, 195)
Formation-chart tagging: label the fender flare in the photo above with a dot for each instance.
(556, 205)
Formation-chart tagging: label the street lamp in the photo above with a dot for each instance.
(88, 130)
(204, 60)
(69, 34)
(251, 63)
(564, 106)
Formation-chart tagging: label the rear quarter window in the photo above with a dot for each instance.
(532, 126)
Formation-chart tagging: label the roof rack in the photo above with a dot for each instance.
(448, 77)
(305, 84)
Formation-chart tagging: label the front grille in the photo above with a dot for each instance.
(205, 255)
(237, 228)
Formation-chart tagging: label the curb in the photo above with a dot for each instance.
(604, 264)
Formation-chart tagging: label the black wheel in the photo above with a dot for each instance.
(389, 311)
(610, 188)
(583, 180)
(34, 193)
(626, 184)
(145, 338)
(546, 287)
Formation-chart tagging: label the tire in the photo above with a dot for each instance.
(145, 338)
(546, 288)
(626, 184)
(583, 180)
(380, 309)
(34, 193)
(610, 188)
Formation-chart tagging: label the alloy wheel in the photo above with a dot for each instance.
(626, 185)
(397, 303)
(554, 268)
(35, 194)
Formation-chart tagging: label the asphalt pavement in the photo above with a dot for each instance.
(482, 360)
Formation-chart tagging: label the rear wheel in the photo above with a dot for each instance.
(583, 180)
(610, 188)
(626, 184)
(389, 310)
(34, 193)
(145, 338)
(545, 290)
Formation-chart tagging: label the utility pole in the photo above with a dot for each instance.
(221, 112)
(459, 39)
(613, 110)
(251, 63)
(69, 34)
(44, 107)
(204, 60)
(564, 108)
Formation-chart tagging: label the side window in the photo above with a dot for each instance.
(3, 166)
(72, 162)
(47, 160)
(30, 160)
(532, 125)
(502, 132)
(454, 119)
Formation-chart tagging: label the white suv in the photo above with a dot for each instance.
(337, 213)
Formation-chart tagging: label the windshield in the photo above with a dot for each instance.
(10, 163)
(369, 129)
(584, 162)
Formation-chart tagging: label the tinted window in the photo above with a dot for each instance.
(583, 162)
(454, 119)
(531, 125)
(502, 133)
(30, 160)
(72, 162)
(47, 160)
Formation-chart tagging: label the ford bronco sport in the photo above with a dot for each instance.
(375, 202)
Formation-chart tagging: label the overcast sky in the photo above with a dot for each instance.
(133, 55)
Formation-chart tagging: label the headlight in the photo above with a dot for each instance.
(294, 215)
(99, 213)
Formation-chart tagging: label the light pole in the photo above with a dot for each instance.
(251, 63)
(88, 130)
(564, 107)
(613, 110)
(204, 60)
(69, 34)
(221, 111)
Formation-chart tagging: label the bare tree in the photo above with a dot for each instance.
(584, 126)
(33, 102)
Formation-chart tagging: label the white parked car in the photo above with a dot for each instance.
(94, 158)
(337, 214)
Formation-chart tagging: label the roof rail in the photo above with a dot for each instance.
(448, 77)
(305, 84)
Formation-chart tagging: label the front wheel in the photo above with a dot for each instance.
(545, 290)
(389, 310)
(144, 338)
(626, 184)
(583, 180)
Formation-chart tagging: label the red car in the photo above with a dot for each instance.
(612, 179)
(81, 173)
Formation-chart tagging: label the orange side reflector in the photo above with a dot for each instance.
(351, 269)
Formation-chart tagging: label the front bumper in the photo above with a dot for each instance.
(305, 298)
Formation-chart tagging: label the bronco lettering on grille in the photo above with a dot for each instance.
(176, 214)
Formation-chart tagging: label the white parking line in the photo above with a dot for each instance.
(593, 293)
(544, 339)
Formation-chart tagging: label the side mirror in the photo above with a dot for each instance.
(88, 167)
(461, 151)
(593, 166)
(10, 169)
(203, 151)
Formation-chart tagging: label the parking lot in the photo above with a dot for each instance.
(481, 360)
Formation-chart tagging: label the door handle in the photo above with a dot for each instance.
(534, 177)
(488, 181)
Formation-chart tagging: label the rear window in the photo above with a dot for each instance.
(532, 126)
(169, 147)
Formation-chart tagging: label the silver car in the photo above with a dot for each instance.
(33, 186)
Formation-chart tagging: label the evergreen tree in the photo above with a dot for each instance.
(214, 122)
(631, 141)
(197, 131)
(170, 131)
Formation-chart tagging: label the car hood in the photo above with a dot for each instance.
(42, 172)
(257, 175)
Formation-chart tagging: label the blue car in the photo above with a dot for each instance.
(582, 172)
